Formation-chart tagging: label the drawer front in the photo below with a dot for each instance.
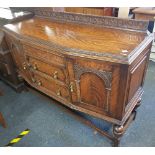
(54, 88)
(44, 55)
(55, 72)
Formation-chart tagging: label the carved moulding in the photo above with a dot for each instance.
(106, 76)
(95, 20)
(124, 59)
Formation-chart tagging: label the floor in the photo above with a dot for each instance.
(51, 124)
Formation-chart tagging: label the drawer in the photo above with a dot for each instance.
(51, 86)
(54, 71)
(43, 54)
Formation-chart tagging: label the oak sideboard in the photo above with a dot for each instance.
(92, 64)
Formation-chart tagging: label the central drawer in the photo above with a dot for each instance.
(43, 54)
(54, 88)
(55, 72)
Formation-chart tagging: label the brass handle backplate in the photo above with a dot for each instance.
(58, 92)
(33, 80)
(35, 67)
(24, 66)
(71, 87)
(55, 75)
(39, 83)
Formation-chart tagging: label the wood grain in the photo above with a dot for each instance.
(78, 36)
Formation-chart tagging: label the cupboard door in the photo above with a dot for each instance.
(94, 88)
(91, 87)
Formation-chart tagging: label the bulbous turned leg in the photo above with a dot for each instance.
(117, 133)
(118, 130)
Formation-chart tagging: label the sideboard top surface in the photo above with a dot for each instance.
(82, 37)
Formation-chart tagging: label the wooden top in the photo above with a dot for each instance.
(101, 42)
(145, 10)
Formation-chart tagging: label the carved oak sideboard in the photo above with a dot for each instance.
(91, 64)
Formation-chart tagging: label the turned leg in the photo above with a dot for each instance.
(2, 121)
(117, 133)
(119, 130)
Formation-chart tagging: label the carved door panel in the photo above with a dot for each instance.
(92, 88)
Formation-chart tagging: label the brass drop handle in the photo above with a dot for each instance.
(33, 80)
(71, 87)
(55, 75)
(24, 66)
(39, 83)
(58, 92)
(35, 67)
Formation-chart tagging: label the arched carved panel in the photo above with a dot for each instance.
(92, 90)
(105, 75)
(94, 86)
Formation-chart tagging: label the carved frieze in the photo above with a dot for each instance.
(106, 76)
(104, 21)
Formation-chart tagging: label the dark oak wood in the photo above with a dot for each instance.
(94, 69)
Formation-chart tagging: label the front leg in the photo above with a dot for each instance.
(117, 133)
(119, 130)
